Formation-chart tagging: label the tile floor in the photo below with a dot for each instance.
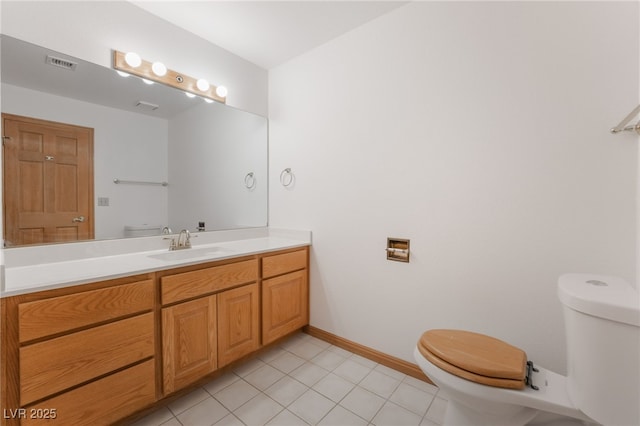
(306, 381)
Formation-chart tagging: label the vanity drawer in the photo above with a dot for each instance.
(102, 402)
(283, 263)
(187, 285)
(59, 314)
(58, 364)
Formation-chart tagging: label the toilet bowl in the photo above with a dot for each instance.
(143, 230)
(471, 403)
(602, 321)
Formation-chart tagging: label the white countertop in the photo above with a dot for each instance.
(49, 275)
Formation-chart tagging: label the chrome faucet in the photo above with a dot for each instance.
(166, 231)
(184, 240)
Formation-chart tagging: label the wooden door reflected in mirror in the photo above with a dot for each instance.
(48, 181)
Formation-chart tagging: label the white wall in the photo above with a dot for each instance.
(211, 150)
(91, 29)
(481, 132)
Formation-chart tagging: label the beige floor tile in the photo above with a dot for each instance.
(264, 377)
(363, 403)
(205, 413)
(188, 401)
(258, 411)
(436, 410)
(340, 416)
(249, 366)
(305, 350)
(219, 383)
(308, 373)
(229, 420)
(286, 390)
(236, 394)
(287, 362)
(287, 418)
(311, 406)
(352, 371)
(380, 384)
(412, 398)
(156, 418)
(333, 387)
(394, 415)
(328, 360)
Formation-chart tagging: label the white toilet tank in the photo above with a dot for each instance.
(143, 230)
(602, 326)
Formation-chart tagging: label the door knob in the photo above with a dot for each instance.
(78, 219)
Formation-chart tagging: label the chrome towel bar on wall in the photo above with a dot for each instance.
(621, 127)
(139, 182)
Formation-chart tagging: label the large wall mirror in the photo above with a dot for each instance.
(179, 161)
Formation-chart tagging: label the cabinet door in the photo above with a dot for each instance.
(188, 342)
(238, 323)
(285, 305)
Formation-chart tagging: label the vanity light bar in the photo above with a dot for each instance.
(170, 78)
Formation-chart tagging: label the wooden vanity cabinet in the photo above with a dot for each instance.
(285, 294)
(85, 357)
(97, 353)
(217, 324)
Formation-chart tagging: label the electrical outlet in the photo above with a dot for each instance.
(103, 201)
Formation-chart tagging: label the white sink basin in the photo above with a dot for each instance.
(190, 253)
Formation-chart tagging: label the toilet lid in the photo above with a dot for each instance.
(476, 357)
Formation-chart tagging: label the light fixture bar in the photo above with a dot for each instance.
(171, 78)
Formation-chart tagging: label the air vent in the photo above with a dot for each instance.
(62, 63)
(147, 106)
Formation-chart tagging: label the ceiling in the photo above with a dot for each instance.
(268, 33)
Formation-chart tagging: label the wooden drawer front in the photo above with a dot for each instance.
(238, 323)
(196, 283)
(102, 402)
(285, 305)
(57, 364)
(46, 317)
(283, 263)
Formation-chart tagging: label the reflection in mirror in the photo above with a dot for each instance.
(141, 133)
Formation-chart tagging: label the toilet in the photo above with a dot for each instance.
(143, 230)
(490, 382)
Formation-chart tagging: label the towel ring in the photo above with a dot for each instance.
(250, 180)
(286, 177)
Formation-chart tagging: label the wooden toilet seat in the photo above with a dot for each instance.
(476, 357)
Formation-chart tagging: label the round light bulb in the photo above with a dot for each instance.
(133, 59)
(203, 84)
(147, 81)
(123, 74)
(158, 69)
(190, 95)
(209, 101)
(222, 91)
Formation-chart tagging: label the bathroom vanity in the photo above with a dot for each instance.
(95, 351)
